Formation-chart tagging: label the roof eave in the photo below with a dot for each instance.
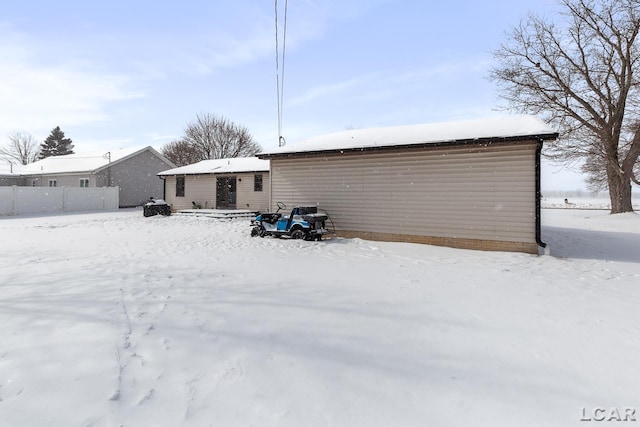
(210, 173)
(49, 173)
(469, 141)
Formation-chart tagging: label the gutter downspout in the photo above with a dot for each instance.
(270, 209)
(538, 195)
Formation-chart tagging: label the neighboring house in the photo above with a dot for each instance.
(235, 183)
(10, 174)
(472, 184)
(132, 170)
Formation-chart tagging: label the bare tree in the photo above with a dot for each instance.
(212, 137)
(181, 153)
(581, 76)
(217, 137)
(21, 148)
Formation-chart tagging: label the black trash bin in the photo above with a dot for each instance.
(156, 207)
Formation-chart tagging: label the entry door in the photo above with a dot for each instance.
(226, 192)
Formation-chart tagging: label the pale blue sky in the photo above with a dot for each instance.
(133, 73)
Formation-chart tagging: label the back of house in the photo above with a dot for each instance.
(472, 184)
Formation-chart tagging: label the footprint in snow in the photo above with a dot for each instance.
(146, 397)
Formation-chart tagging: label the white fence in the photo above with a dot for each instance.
(44, 200)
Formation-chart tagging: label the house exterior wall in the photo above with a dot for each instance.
(480, 197)
(249, 199)
(202, 190)
(62, 180)
(7, 181)
(136, 176)
(197, 188)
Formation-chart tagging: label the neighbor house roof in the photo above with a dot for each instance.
(515, 127)
(10, 170)
(231, 165)
(83, 162)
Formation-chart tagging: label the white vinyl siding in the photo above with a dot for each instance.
(202, 190)
(197, 188)
(249, 199)
(465, 192)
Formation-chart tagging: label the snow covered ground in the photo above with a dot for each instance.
(111, 319)
(595, 202)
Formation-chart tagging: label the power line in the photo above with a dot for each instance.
(280, 77)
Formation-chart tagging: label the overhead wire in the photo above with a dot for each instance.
(279, 76)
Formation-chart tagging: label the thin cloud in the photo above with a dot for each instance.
(332, 89)
(162, 137)
(205, 53)
(444, 70)
(226, 51)
(389, 83)
(37, 96)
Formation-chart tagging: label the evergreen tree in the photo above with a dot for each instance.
(56, 144)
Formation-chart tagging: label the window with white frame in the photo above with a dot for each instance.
(84, 182)
(53, 183)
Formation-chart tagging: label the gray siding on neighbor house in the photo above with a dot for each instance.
(8, 181)
(66, 180)
(202, 190)
(136, 176)
(469, 192)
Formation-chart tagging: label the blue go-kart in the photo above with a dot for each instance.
(304, 222)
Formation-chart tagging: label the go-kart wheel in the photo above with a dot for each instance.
(255, 231)
(298, 234)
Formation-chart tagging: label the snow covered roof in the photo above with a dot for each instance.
(231, 165)
(510, 127)
(10, 170)
(81, 162)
